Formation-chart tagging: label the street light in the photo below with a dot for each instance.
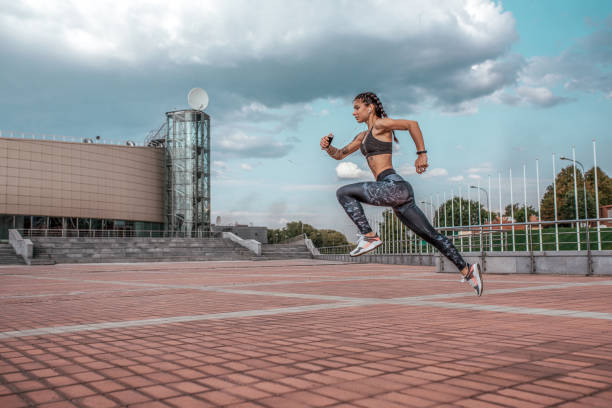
(486, 192)
(583, 182)
(432, 206)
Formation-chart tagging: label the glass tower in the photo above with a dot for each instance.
(187, 195)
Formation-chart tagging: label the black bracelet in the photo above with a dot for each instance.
(421, 152)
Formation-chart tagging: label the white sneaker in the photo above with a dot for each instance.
(366, 244)
(474, 278)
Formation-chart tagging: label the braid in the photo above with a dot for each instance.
(370, 98)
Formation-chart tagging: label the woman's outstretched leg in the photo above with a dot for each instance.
(411, 216)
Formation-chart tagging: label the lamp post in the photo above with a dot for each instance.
(479, 219)
(583, 182)
(486, 192)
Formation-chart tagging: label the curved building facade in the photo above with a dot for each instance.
(80, 186)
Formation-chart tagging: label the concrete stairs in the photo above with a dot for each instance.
(295, 250)
(103, 250)
(8, 256)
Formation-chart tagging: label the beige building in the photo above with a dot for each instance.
(66, 185)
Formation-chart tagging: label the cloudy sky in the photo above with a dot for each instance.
(493, 85)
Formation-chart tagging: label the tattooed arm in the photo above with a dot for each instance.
(340, 154)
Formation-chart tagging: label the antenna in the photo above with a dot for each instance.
(197, 99)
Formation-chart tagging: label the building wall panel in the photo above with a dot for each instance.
(64, 179)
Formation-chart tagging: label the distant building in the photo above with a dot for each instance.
(80, 186)
(163, 188)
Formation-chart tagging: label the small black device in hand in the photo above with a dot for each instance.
(329, 139)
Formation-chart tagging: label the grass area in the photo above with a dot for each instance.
(567, 239)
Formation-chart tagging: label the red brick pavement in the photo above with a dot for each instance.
(299, 334)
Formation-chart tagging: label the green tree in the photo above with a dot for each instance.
(320, 238)
(457, 212)
(519, 212)
(567, 209)
(566, 205)
(565, 187)
(328, 237)
(604, 186)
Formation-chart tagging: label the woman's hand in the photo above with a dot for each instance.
(325, 141)
(420, 163)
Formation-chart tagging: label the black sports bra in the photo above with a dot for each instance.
(371, 146)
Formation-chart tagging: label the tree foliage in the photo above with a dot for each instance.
(519, 212)
(604, 185)
(566, 203)
(320, 238)
(460, 211)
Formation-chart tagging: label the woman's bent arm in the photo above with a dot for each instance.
(350, 148)
(412, 126)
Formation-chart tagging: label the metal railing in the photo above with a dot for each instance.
(133, 234)
(9, 134)
(563, 235)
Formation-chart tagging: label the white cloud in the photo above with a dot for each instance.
(407, 170)
(246, 166)
(349, 170)
(538, 96)
(219, 168)
(435, 172)
(485, 168)
(582, 67)
(241, 144)
(272, 28)
(253, 107)
(474, 176)
(279, 51)
(456, 178)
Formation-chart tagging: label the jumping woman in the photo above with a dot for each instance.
(390, 189)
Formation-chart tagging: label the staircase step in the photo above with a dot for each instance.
(91, 250)
(8, 256)
(88, 250)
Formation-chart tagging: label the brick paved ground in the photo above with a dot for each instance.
(299, 334)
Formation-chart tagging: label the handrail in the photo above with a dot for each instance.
(133, 234)
(495, 227)
(23, 247)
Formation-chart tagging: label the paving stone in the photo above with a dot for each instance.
(299, 333)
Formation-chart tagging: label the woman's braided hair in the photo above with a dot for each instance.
(370, 98)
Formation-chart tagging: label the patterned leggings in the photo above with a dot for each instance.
(391, 190)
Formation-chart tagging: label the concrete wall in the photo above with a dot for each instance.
(426, 260)
(63, 179)
(562, 262)
(556, 263)
(259, 234)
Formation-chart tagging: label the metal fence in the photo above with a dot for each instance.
(468, 223)
(135, 234)
(560, 235)
(61, 138)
